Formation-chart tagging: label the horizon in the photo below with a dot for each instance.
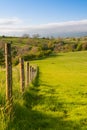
(43, 17)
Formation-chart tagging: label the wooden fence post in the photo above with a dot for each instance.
(27, 74)
(22, 75)
(33, 73)
(8, 62)
(30, 73)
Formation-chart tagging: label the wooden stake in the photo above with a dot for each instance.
(27, 74)
(8, 62)
(30, 73)
(22, 75)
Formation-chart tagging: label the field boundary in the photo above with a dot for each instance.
(26, 77)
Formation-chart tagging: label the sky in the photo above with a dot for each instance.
(45, 17)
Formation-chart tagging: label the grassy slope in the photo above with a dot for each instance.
(63, 91)
(59, 101)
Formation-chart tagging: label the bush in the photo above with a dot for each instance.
(47, 53)
(79, 47)
(84, 46)
(2, 59)
(29, 56)
(39, 54)
(15, 61)
(44, 46)
(32, 56)
(73, 47)
(14, 51)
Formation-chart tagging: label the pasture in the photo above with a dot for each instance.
(57, 100)
(63, 91)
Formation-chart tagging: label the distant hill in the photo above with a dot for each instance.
(38, 48)
(67, 34)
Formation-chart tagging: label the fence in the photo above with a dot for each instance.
(30, 73)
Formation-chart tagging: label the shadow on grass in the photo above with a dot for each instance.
(26, 118)
(36, 80)
(47, 57)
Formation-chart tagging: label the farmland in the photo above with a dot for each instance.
(57, 100)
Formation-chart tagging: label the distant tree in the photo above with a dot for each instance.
(36, 35)
(44, 46)
(3, 36)
(50, 45)
(26, 35)
(43, 37)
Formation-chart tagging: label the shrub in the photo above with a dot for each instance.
(2, 59)
(39, 54)
(47, 53)
(15, 61)
(14, 51)
(74, 46)
(44, 46)
(79, 47)
(29, 56)
(84, 46)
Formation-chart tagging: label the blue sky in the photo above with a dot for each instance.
(42, 16)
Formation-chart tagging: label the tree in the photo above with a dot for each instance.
(26, 35)
(36, 35)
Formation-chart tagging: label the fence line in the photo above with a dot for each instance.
(30, 73)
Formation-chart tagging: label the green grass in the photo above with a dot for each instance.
(57, 100)
(63, 90)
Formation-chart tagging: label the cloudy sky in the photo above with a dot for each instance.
(45, 17)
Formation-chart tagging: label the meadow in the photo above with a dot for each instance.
(58, 98)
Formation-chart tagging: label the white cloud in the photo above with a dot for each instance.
(68, 23)
(9, 21)
(43, 29)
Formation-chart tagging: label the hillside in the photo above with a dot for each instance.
(58, 100)
(37, 48)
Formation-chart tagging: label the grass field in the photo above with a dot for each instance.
(63, 91)
(58, 100)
